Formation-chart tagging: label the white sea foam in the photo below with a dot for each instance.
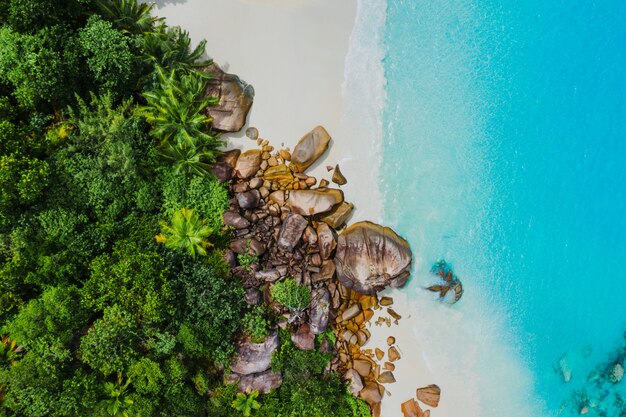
(363, 92)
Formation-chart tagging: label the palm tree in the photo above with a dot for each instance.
(176, 112)
(187, 232)
(246, 403)
(128, 15)
(170, 47)
(116, 392)
(9, 351)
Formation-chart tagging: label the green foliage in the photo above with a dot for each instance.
(221, 400)
(108, 55)
(247, 258)
(32, 66)
(34, 382)
(170, 47)
(22, 180)
(135, 279)
(56, 314)
(187, 232)
(246, 403)
(117, 400)
(111, 345)
(290, 294)
(210, 305)
(32, 15)
(205, 195)
(307, 390)
(147, 376)
(130, 16)
(176, 111)
(9, 352)
(255, 325)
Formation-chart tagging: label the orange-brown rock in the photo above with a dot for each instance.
(309, 148)
(370, 394)
(338, 216)
(310, 202)
(338, 177)
(363, 367)
(386, 301)
(393, 314)
(390, 366)
(279, 174)
(379, 354)
(411, 408)
(391, 340)
(393, 354)
(386, 378)
(371, 257)
(248, 163)
(429, 395)
(235, 99)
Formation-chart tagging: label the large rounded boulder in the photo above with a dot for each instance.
(371, 257)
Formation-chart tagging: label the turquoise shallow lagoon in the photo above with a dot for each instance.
(505, 153)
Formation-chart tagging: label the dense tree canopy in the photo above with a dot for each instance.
(105, 148)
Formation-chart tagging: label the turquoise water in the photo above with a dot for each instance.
(504, 153)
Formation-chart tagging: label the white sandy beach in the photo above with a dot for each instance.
(310, 64)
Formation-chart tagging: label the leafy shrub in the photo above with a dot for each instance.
(111, 345)
(147, 376)
(210, 305)
(56, 314)
(205, 195)
(133, 278)
(255, 325)
(187, 232)
(290, 294)
(108, 55)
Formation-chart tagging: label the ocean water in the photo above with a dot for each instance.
(504, 152)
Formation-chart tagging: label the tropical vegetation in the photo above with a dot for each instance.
(115, 299)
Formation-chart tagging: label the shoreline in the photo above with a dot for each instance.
(354, 75)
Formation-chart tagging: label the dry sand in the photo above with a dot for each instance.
(304, 59)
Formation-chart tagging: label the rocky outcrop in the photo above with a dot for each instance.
(291, 231)
(338, 177)
(255, 357)
(320, 310)
(248, 163)
(303, 338)
(429, 395)
(279, 215)
(411, 408)
(235, 220)
(262, 382)
(235, 99)
(371, 257)
(355, 383)
(338, 216)
(311, 202)
(310, 147)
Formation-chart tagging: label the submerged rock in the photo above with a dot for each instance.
(310, 147)
(255, 357)
(371, 257)
(235, 99)
(310, 202)
(617, 373)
